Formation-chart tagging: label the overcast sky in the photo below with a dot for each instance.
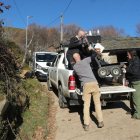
(86, 13)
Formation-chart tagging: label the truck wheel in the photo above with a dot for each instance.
(49, 84)
(102, 72)
(60, 96)
(115, 71)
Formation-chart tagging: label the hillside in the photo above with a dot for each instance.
(12, 29)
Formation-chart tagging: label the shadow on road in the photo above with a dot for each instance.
(55, 91)
(79, 109)
(117, 105)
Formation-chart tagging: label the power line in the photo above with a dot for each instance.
(67, 6)
(19, 12)
(60, 16)
(54, 21)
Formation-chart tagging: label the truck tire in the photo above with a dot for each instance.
(49, 84)
(60, 96)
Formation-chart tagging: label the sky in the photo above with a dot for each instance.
(85, 13)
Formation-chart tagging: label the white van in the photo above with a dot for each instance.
(40, 62)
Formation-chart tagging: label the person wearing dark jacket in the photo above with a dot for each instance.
(133, 75)
(75, 46)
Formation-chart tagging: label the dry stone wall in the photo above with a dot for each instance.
(110, 59)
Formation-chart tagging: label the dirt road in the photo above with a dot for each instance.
(118, 125)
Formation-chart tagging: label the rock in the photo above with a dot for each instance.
(29, 74)
(3, 106)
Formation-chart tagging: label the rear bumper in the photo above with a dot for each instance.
(75, 96)
(76, 99)
(116, 97)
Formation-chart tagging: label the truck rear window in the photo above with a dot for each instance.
(42, 57)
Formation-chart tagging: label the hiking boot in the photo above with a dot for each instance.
(100, 124)
(86, 127)
(135, 118)
(128, 112)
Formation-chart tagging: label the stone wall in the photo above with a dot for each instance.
(110, 59)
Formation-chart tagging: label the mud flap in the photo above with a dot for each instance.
(64, 99)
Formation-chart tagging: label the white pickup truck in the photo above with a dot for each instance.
(63, 79)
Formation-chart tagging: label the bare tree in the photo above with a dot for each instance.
(137, 31)
(110, 31)
(53, 36)
(71, 30)
(40, 38)
(11, 33)
(39, 42)
(25, 54)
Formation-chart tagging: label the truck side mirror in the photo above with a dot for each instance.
(48, 64)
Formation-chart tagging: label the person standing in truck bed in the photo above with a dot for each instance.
(90, 88)
(75, 46)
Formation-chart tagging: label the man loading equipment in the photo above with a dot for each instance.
(75, 46)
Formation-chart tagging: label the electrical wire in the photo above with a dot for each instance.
(49, 23)
(54, 21)
(67, 6)
(19, 11)
(60, 16)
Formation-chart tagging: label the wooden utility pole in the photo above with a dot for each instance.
(61, 26)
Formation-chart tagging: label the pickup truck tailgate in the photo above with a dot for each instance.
(116, 89)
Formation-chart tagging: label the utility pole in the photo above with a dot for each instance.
(27, 29)
(61, 26)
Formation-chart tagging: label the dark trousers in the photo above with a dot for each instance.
(134, 98)
(71, 61)
(70, 66)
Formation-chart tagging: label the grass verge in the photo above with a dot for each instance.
(35, 117)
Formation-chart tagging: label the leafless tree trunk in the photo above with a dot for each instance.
(26, 49)
(137, 31)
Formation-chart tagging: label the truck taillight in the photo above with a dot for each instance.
(71, 82)
(126, 81)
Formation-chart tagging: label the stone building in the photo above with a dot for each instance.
(116, 48)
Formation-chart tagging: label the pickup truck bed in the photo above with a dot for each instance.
(63, 80)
